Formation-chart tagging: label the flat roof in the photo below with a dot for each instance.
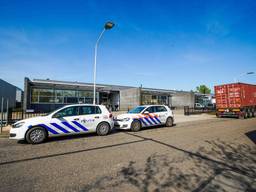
(80, 84)
(103, 87)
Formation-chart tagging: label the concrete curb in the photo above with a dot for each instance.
(4, 135)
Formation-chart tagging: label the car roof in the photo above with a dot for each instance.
(150, 105)
(82, 104)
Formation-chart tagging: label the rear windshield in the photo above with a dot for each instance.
(137, 109)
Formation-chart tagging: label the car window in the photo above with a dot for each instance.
(69, 111)
(89, 110)
(160, 109)
(137, 109)
(151, 109)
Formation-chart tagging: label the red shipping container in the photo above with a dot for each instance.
(236, 96)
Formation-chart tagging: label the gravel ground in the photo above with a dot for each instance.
(207, 155)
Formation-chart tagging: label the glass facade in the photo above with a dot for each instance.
(59, 96)
(150, 99)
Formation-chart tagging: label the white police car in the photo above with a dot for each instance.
(145, 116)
(71, 119)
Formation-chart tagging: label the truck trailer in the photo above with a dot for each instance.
(235, 100)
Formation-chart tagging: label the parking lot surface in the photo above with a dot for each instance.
(207, 155)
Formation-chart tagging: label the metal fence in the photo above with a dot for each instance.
(191, 111)
(19, 115)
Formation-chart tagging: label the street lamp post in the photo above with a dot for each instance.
(108, 25)
(236, 80)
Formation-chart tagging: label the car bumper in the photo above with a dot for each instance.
(122, 125)
(17, 134)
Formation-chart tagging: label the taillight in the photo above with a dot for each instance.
(110, 115)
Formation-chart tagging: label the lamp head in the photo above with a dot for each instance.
(109, 25)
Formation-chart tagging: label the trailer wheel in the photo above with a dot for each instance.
(218, 115)
(241, 116)
(249, 113)
(253, 113)
(246, 115)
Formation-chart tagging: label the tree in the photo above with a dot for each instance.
(203, 89)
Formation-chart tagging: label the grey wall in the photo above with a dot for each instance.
(181, 99)
(129, 98)
(8, 91)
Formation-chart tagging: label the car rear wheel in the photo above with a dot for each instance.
(103, 129)
(136, 125)
(36, 135)
(169, 122)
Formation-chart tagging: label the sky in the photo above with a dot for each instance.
(155, 43)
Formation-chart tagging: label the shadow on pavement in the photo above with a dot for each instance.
(218, 166)
(70, 152)
(251, 135)
(70, 137)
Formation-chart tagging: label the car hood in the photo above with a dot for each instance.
(34, 120)
(127, 115)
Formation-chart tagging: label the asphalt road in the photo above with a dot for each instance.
(211, 155)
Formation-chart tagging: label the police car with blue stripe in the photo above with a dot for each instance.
(68, 120)
(145, 116)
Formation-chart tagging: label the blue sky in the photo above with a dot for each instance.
(162, 44)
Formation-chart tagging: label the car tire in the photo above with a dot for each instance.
(136, 125)
(103, 129)
(169, 122)
(36, 135)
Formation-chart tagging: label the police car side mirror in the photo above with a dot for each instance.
(146, 113)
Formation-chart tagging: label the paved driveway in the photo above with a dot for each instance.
(209, 155)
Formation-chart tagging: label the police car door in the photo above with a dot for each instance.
(90, 117)
(162, 113)
(66, 121)
(152, 118)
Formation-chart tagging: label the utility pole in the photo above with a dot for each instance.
(7, 111)
(2, 114)
(108, 26)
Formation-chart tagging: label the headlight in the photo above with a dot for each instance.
(18, 125)
(126, 119)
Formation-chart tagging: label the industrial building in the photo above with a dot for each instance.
(48, 95)
(11, 94)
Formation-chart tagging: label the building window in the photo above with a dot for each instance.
(59, 96)
(150, 99)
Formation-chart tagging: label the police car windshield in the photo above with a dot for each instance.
(137, 110)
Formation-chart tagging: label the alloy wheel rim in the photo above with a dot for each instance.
(136, 125)
(37, 135)
(103, 128)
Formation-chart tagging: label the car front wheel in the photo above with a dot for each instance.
(136, 125)
(36, 135)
